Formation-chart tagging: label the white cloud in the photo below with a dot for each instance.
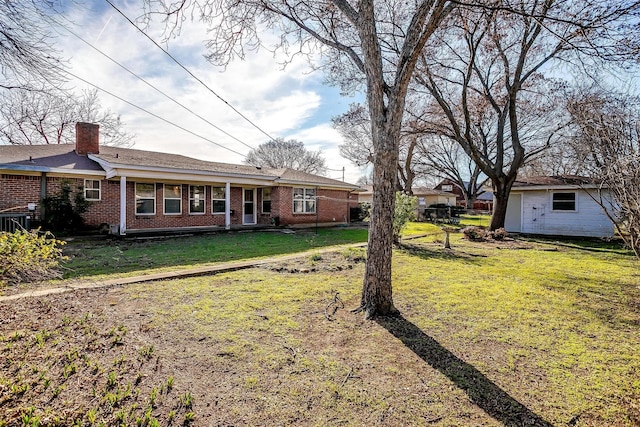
(289, 103)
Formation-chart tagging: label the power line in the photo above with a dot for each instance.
(189, 72)
(155, 115)
(156, 89)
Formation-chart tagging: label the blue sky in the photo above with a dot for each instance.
(293, 104)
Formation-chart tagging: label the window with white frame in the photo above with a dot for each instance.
(92, 189)
(564, 201)
(196, 199)
(172, 199)
(304, 200)
(218, 200)
(447, 187)
(145, 199)
(266, 200)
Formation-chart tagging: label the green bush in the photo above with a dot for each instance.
(29, 256)
(405, 211)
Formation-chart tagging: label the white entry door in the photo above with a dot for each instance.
(249, 206)
(513, 219)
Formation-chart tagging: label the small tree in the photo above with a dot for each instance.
(63, 214)
(607, 129)
(405, 211)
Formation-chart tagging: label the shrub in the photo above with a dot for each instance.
(499, 234)
(29, 256)
(473, 233)
(63, 214)
(404, 212)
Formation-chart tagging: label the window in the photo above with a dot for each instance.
(304, 200)
(266, 200)
(564, 202)
(196, 199)
(145, 199)
(172, 199)
(447, 187)
(219, 201)
(92, 189)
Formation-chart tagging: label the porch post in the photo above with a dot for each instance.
(227, 206)
(123, 205)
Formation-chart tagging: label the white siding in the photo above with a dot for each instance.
(587, 220)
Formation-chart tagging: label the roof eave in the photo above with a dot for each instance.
(318, 184)
(47, 169)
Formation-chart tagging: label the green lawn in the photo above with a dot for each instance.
(91, 258)
(524, 332)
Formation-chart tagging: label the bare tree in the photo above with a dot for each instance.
(41, 117)
(607, 126)
(355, 128)
(364, 43)
(292, 154)
(487, 76)
(27, 57)
(448, 160)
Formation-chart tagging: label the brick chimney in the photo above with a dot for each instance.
(87, 138)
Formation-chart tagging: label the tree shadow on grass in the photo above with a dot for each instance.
(488, 396)
(430, 252)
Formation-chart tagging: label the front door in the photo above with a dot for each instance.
(249, 207)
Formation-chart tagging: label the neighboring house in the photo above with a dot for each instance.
(484, 201)
(135, 191)
(556, 205)
(426, 197)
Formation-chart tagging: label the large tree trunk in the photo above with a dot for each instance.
(502, 188)
(377, 299)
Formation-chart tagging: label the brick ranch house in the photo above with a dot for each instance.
(133, 191)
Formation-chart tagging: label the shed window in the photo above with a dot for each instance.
(172, 199)
(145, 199)
(304, 200)
(92, 189)
(564, 201)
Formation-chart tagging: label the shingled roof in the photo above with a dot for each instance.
(42, 158)
(63, 157)
(152, 159)
(557, 180)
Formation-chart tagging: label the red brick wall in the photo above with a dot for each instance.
(332, 206)
(18, 190)
(185, 219)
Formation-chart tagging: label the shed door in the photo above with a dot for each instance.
(513, 220)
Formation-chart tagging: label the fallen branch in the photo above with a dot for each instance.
(333, 307)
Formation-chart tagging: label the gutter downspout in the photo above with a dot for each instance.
(43, 195)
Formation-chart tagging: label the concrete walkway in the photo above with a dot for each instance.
(168, 275)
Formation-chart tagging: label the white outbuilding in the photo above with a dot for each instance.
(558, 206)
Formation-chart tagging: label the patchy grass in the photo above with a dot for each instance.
(501, 333)
(92, 258)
